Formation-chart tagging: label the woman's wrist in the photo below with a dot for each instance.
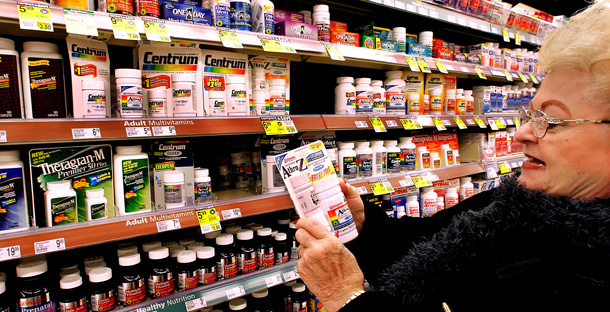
(352, 298)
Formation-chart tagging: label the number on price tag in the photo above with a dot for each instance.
(231, 213)
(412, 64)
(2, 135)
(533, 78)
(505, 35)
(381, 186)
(195, 304)
(423, 65)
(156, 30)
(508, 75)
(12, 252)
(391, 123)
(480, 72)
(421, 181)
(230, 39)
(517, 38)
(278, 125)
(492, 123)
(523, 78)
(362, 190)
(479, 122)
(168, 225)
(377, 124)
(460, 123)
(133, 132)
(438, 123)
(86, 133)
(124, 27)
(34, 16)
(80, 22)
(49, 245)
(235, 292)
(440, 66)
(164, 131)
(273, 44)
(208, 219)
(361, 124)
(410, 123)
(333, 52)
(274, 280)
(291, 276)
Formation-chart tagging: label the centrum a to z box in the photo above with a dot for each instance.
(274, 68)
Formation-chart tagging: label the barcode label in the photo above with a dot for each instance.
(231, 213)
(49, 245)
(196, 304)
(274, 280)
(168, 225)
(12, 252)
(362, 190)
(2, 135)
(86, 133)
(133, 132)
(235, 292)
(406, 183)
(361, 124)
(391, 123)
(164, 131)
(291, 276)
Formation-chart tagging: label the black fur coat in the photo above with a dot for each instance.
(509, 249)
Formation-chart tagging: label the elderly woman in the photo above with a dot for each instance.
(537, 243)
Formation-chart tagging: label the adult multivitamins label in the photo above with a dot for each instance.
(46, 87)
(10, 107)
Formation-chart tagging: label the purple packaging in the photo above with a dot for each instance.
(296, 30)
(196, 3)
(173, 11)
(283, 15)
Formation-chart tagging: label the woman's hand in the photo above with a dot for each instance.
(356, 206)
(328, 269)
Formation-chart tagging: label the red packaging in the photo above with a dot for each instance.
(338, 26)
(344, 37)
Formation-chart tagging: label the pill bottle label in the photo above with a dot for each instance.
(161, 285)
(173, 194)
(299, 306)
(269, 23)
(247, 262)
(436, 104)
(206, 275)
(120, 6)
(241, 16)
(63, 210)
(157, 108)
(461, 106)
(450, 157)
(364, 102)
(103, 302)
(395, 103)
(9, 88)
(341, 218)
(365, 165)
(408, 160)
(227, 268)
(281, 257)
(130, 98)
(413, 106)
(222, 15)
(34, 304)
(425, 160)
(135, 184)
(277, 105)
(95, 103)
(394, 162)
(74, 306)
(203, 191)
(187, 280)
(46, 87)
(266, 257)
(350, 168)
(98, 211)
(183, 100)
(238, 102)
(148, 8)
(12, 204)
(131, 293)
(429, 207)
(451, 105)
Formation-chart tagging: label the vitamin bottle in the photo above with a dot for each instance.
(5, 305)
(379, 158)
(148, 8)
(60, 202)
(435, 161)
(460, 102)
(160, 277)
(72, 295)
(364, 156)
(12, 190)
(282, 224)
(280, 248)
(69, 272)
(378, 97)
(395, 93)
(426, 104)
(450, 101)
(407, 149)
(451, 197)
(221, 13)
(174, 250)
(428, 201)
(321, 18)
(129, 92)
(102, 296)
(33, 291)
(466, 188)
(260, 301)
(173, 188)
(209, 239)
(96, 204)
(238, 304)
(233, 229)
(298, 298)
(237, 100)
(226, 260)
(157, 102)
(364, 96)
(348, 164)
(307, 16)
(332, 200)
(203, 186)
(292, 241)
(345, 96)
(11, 94)
(413, 104)
(132, 183)
(446, 155)
(194, 246)
(241, 15)
(287, 295)
(400, 35)
(332, 154)
(206, 273)
(118, 6)
(456, 157)
(469, 102)
(436, 102)
(440, 203)
(393, 157)
(423, 158)
(184, 99)
(247, 259)
(306, 200)
(264, 248)
(277, 97)
(263, 17)
(186, 270)
(94, 98)
(131, 284)
(150, 245)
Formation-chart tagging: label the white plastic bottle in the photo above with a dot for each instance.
(94, 98)
(446, 155)
(378, 97)
(364, 96)
(277, 97)
(451, 197)
(321, 18)
(456, 157)
(332, 200)
(400, 35)
(436, 102)
(426, 104)
(217, 105)
(412, 206)
(428, 201)
(307, 16)
(263, 17)
(157, 102)
(237, 100)
(332, 154)
(393, 157)
(129, 92)
(184, 97)
(440, 203)
(379, 157)
(395, 93)
(345, 96)
(408, 150)
(413, 104)
(435, 161)
(173, 189)
(11, 94)
(241, 15)
(466, 188)
(221, 13)
(60, 203)
(348, 164)
(96, 203)
(203, 186)
(450, 100)
(305, 197)
(364, 156)
(460, 102)
(422, 158)
(12, 191)
(131, 180)
(43, 80)
(469, 102)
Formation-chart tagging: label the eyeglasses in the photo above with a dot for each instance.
(541, 122)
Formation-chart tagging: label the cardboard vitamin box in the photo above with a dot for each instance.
(86, 167)
(275, 68)
(217, 67)
(172, 156)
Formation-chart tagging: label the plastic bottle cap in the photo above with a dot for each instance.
(426, 97)
(236, 79)
(183, 77)
(187, 256)
(363, 81)
(449, 91)
(391, 142)
(157, 93)
(256, 226)
(283, 221)
(427, 189)
(206, 253)
(69, 272)
(399, 29)
(69, 282)
(412, 198)
(90, 260)
(346, 145)
(212, 235)
(459, 91)
(393, 74)
(320, 8)
(12, 155)
(345, 80)
(39, 46)
(58, 185)
(264, 232)
(261, 293)
(148, 246)
(245, 234)
(169, 243)
(7, 44)
(95, 193)
(127, 73)
(280, 236)
(445, 146)
(194, 245)
(299, 180)
(277, 82)
(128, 150)
(91, 84)
(233, 229)
(422, 149)
(289, 284)
(258, 95)
(465, 179)
(94, 265)
(158, 253)
(238, 304)
(440, 199)
(203, 172)
(173, 177)
(298, 287)
(224, 239)
(376, 83)
(292, 225)
(129, 260)
(99, 275)
(175, 250)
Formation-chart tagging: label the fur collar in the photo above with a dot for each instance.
(513, 210)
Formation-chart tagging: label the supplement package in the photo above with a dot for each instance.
(174, 156)
(85, 167)
(314, 188)
(13, 204)
(10, 82)
(89, 61)
(218, 67)
(277, 99)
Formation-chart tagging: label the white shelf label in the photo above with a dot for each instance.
(391, 123)
(49, 245)
(2, 135)
(134, 132)
(474, 25)
(274, 280)
(235, 292)
(433, 14)
(451, 18)
(168, 225)
(406, 183)
(399, 5)
(464, 69)
(411, 8)
(495, 30)
(86, 133)
(520, 163)
(195, 304)
(291, 276)
(231, 213)
(483, 27)
(449, 67)
(388, 2)
(462, 21)
(422, 11)
(446, 122)
(362, 190)
(361, 124)
(12, 252)
(164, 131)
(432, 177)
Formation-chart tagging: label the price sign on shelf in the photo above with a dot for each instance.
(533, 78)
(80, 22)
(480, 72)
(492, 123)
(508, 76)
(86, 133)
(164, 131)
(230, 39)
(410, 123)
(49, 245)
(440, 66)
(423, 65)
(195, 304)
(231, 213)
(208, 219)
(124, 27)
(460, 123)
(381, 186)
(523, 78)
(517, 122)
(12, 252)
(333, 51)
(421, 181)
(517, 38)
(235, 292)
(34, 16)
(412, 64)
(278, 125)
(3, 136)
(134, 132)
(408, 181)
(439, 124)
(500, 123)
(377, 124)
(168, 225)
(479, 122)
(391, 123)
(291, 276)
(505, 35)
(504, 167)
(275, 44)
(274, 280)
(156, 30)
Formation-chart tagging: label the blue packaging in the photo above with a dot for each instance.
(221, 15)
(173, 11)
(13, 207)
(194, 3)
(419, 49)
(389, 45)
(399, 204)
(241, 15)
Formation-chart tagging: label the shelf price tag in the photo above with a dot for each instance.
(460, 123)
(168, 225)
(133, 132)
(381, 186)
(274, 280)
(3, 136)
(156, 30)
(500, 123)
(361, 190)
(505, 35)
(49, 246)
(278, 125)
(408, 181)
(391, 123)
(34, 16)
(440, 66)
(423, 65)
(377, 124)
(492, 123)
(124, 27)
(479, 122)
(80, 22)
(208, 219)
(517, 38)
(517, 122)
(438, 123)
(523, 78)
(410, 123)
(195, 304)
(504, 167)
(412, 64)
(231, 213)
(490, 171)
(164, 131)
(421, 181)
(480, 72)
(333, 52)
(533, 78)
(291, 276)
(274, 44)
(86, 133)
(230, 39)
(235, 292)
(361, 124)
(12, 252)
(508, 75)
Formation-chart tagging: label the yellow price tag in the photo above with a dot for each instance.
(208, 219)
(480, 72)
(505, 35)
(274, 44)
(423, 66)
(500, 123)
(80, 22)
(377, 124)
(278, 125)
(124, 27)
(460, 123)
(230, 39)
(479, 122)
(523, 78)
(508, 75)
(440, 66)
(381, 186)
(438, 123)
(533, 78)
(420, 181)
(333, 52)
(517, 122)
(34, 16)
(412, 64)
(410, 124)
(504, 168)
(517, 38)
(156, 30)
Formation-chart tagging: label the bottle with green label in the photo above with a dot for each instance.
(97, 204)
(132, 182)
(60, 202)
